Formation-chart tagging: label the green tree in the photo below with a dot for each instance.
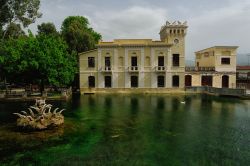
(78, 34)
(22, 12)
(14, 31)
(42, 59)
(47, 29)
(1, 32)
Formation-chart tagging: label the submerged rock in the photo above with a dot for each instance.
(39, 117)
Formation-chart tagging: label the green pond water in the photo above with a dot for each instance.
(133, 130)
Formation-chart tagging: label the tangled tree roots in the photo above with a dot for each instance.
(40, 117)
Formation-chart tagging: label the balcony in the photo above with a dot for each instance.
(106, 69)
(200, 68)
(160, 68)
(133, 68)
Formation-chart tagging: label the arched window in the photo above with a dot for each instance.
(91, 80)
(225, 81)
(175, 81)
(188, 80)
(161, 81)
(134, 81)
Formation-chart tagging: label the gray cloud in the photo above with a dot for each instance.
(133, 22)
(211, 22)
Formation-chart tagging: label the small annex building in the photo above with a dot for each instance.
(215, 67)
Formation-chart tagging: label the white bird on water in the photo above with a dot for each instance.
(183, 102)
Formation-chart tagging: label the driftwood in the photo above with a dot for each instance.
(40, 117)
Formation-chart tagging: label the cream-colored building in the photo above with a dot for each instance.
(215, 67)
(141, 65)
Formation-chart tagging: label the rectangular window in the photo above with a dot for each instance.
(107, 62)
(134, 81)
(160, 60)
(133, 61)
(225, 61)
(108, 81)
(91, 61)
(176, 59)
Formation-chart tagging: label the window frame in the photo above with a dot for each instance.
(107, 61)
(91, 62)
(134, 59)
(91, 83)
(161, 60)
(160, 84)
(175, 84)
(137, 81)
(225, 62)
(106, 83)
(176, 64)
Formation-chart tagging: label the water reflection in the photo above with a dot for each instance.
(108, 102)
(160, 103)
(175, 104)
(135, 130)
(134, 105)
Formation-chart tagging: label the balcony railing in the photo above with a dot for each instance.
(106, 69)
(200, 68)
(160, 68)
(133, 68)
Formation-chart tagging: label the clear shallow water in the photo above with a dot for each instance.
(134, 130)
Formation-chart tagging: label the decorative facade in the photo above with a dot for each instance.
(136, 64)
(144, 65)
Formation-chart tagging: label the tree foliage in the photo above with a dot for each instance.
(1, 32)
(47, 29)
(14, 31)
(42, 59)
(78, 34)
(20, 12)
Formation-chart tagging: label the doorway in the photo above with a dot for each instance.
(91, 81)
(207, 80)
(161, 81)
(108, 81)
(225, 81)
(188, 80)
(134, 81)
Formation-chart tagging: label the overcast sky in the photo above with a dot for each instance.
(211, 22)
